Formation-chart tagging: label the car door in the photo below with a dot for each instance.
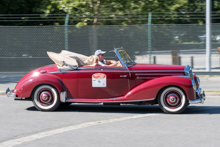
(102, 82)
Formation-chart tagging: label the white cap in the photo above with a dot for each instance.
(97, 52)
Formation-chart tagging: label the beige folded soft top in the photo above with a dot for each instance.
(67, 59)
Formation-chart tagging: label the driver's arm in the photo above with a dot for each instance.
(112, 63)
(109, 62)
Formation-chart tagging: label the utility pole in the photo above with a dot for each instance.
(208, 35)
(66, 32)
(149, 37)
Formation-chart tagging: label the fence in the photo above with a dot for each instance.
(23, 48)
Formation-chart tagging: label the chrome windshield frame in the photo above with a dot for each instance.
(119, 57)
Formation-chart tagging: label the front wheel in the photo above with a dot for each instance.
(46, 98)
(172, 100)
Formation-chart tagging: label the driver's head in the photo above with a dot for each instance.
(100, 54)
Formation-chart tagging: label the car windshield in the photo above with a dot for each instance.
(125, 56)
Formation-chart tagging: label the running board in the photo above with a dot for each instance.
(110, 100)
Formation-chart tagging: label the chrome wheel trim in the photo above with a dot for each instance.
(45, 97)
(49, 102)
(176, 104)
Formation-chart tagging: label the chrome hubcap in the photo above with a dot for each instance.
(46, 97)
(172, 99)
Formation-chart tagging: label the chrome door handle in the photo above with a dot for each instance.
(123, 76)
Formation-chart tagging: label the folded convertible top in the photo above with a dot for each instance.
(70, 58)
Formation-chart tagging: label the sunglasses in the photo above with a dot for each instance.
(102, 54)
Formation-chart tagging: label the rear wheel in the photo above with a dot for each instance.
(46, 98)
(172, 100)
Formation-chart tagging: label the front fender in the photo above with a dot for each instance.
(150, 89)
(27, 85)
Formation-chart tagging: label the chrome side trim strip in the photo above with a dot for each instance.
(133, 100)
(162, 74)
(150, 71)
(101, 100)
(184, 76)
(146, 78)
(97, 99)
(88, 71)
(63, 96)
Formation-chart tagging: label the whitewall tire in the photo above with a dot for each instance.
(46, 98)
(172, 100)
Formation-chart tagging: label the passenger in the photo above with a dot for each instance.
(100, 54)
(92, 61)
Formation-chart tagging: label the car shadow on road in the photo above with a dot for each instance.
(202, 110)
(98, 108)
(131, 109)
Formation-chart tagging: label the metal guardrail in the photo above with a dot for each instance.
(211, 73)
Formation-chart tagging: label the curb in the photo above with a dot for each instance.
(212, 94)
(2, 93)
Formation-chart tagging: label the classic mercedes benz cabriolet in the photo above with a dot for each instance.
(172, 87)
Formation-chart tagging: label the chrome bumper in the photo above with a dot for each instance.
(10, 93)
(200, 97)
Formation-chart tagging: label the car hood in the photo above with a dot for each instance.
(157, 67)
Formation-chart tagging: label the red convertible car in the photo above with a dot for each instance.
(172, 87)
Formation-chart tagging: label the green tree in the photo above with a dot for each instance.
(21, 7)
(108, 12)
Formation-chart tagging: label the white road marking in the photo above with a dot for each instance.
(18, 141)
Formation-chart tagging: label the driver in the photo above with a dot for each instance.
(104, 62)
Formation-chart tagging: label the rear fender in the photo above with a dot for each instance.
(26, 86)
(150, 89)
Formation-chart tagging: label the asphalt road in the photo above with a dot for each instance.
(83, 125)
